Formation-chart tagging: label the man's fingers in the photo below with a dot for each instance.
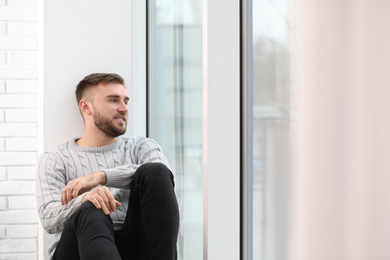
(76, 190)
(111, 202)
(102, 198)
(80, 185)
(62, 198)
(65, 196)
(68, 195)
(104, 205)
(95, 202)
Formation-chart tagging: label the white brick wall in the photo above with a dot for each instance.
(2, 86)
(21, 173)
(3, 174)
(22, 86)
(22, 28)
(2, 232)
(18, 129)
(21, 144)
(22, 231)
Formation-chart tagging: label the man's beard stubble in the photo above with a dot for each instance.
(106, 126)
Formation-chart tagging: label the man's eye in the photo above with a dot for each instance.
(113, 100)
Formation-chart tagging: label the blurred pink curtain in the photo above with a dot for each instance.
(341, 208)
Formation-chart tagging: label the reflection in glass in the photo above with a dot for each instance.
(271, 127)
(175, 108)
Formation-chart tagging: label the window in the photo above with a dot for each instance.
(272, 127)
(175, 107)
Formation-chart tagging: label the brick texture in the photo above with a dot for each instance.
(2, 86)
(18, 42)
(21, 173)
(18, 100)
(17, 13)
(17, 158)
(22, 202)
(19, 217)
(22, 231)
(22, 28)
(21, 115)
(22, 86)
(21, 144)
(17, 187)
(2, 232)
(2, 145)
(18, 129)
(3, 28)
(27, 256)
(18, 71)
(3, 173)
(3, 57)
(17, 245)
(22, 3)
(3, 203)
(22, 57)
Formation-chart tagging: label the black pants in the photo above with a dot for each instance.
(149, 231)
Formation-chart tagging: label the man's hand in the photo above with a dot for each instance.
(78, 186)
(102, 198)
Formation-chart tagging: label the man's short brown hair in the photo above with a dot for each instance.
(95, 79)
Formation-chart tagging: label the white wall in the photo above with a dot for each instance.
(18, 128)
(80, 37)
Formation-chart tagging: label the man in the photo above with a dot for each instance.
(104, 196)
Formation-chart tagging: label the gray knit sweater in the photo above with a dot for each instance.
(69, 161)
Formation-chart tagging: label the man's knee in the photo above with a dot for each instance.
(87, 208)
(88, 212)
(154, 167)
(154, 171)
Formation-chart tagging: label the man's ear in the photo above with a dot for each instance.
(86, 107)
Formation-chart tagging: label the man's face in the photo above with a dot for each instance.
(110, 112)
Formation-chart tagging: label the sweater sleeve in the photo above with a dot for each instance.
(51, 179)
(145, 150)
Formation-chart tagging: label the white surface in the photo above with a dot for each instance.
(221, 122)
(80, 38)
(18, 77)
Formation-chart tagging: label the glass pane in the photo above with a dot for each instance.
(271, 127)
(175, 108)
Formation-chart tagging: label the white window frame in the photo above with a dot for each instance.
(221, 154)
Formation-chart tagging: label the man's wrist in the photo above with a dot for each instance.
(103, 177)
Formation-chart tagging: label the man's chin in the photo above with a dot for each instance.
(121, 131)
(114, 131)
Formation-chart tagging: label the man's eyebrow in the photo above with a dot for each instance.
(117, 96)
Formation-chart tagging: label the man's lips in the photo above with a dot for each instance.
(121, 118)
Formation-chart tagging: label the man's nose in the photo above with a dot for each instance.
(123, 107)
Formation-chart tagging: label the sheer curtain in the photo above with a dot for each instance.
(342, 200)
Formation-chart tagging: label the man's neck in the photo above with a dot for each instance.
(95, 141)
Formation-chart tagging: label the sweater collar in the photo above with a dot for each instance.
(104, 148)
